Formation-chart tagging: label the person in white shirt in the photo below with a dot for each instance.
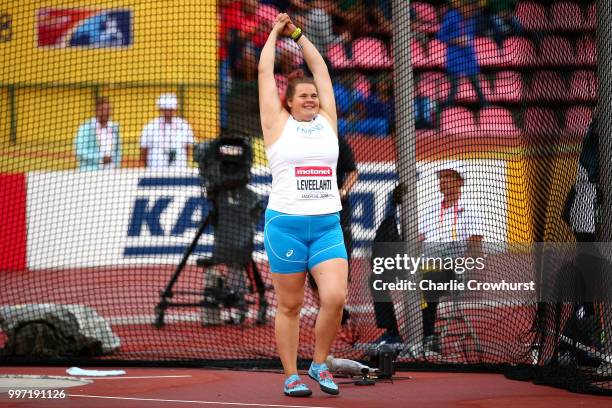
(451, 221)
(165, 142)
(98, 143)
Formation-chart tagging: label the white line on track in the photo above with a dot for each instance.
(239, 404)
(129, 378)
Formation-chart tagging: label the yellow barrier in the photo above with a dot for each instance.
(174, 48)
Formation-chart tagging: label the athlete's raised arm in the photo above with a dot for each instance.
(270, 107)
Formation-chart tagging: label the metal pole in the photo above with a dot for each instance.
(604, 99)
(604, 73)
(405, 142)
(13, 113)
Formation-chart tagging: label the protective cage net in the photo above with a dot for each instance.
(128, 124)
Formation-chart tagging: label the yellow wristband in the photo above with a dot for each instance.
(295, 35)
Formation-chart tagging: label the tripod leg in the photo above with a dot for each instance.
(261, 292)
(161, 307)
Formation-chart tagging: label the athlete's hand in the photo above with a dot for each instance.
(280, 23)
(289, 29)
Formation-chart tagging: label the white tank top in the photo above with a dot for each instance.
(303, 164)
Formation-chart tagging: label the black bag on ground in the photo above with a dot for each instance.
(50, 338)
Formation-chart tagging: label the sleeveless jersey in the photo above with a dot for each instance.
(303, 164)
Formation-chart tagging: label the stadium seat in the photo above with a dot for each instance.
(337, 57)
(496, 121)
(419, 60)
(458, 121)
(556, 51)
(583, 86)
(434, 85)
(532, 16)
(370, 53)
(488, 52)
(436, 54)
(518, 52)
(577, 121)
(466, 92)
(427, 14)
(590, 22)
(547, 86)
(566, 16)
(586, 51)
(541, 123)
(508, 87)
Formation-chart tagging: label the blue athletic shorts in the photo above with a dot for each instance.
(295, 243)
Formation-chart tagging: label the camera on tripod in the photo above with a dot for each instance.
(224, 163)
(224, 166)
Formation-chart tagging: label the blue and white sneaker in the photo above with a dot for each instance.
(321, 374)
(294, 387)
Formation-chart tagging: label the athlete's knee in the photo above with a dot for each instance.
(334, 300)
(290, 307)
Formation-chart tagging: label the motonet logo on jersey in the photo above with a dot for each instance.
(313, 171)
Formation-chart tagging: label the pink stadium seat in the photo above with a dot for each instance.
(458, 121)
(518, 52)
(590, 22)
(434, 85)
(540, 123)
(370, 53)
(495, 121)
(586, 51)
(419, 59)
(583, 86)
(532, 16)
(566, 16)
(436, 53)
(428, 15)
(577, 121)
(466, 92)
(488, 52)
(547, 86)
(508, 87)
(337, 57)
(556, 51)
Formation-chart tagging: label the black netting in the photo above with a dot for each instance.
(128, 132)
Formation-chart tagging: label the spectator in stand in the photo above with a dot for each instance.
(165, 142)
(237, 30)
(318, 21)
(378, 17)
(418, 29)
(497, 20)
(457, 31)
(98, 144)
(344, 93)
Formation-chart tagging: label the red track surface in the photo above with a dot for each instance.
(126, 297)
(215, 388)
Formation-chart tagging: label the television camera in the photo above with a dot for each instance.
(224, 166)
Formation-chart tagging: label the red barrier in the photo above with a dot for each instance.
(13, 238)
